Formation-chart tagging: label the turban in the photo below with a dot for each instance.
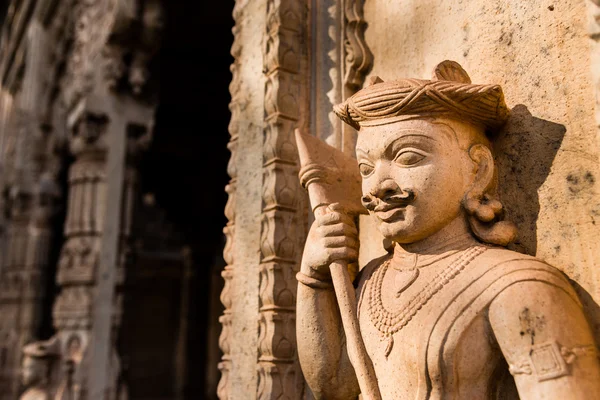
(449, 94)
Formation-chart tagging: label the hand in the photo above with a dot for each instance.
(332, 237)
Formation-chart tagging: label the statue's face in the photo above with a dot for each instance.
(32, 371)
(415, 175)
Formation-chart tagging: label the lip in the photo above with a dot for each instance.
(391, 214)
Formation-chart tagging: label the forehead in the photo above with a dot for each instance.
(381, 136)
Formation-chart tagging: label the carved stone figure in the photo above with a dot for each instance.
(449, 312)
(38, 358)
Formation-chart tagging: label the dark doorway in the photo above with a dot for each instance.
(169, 338)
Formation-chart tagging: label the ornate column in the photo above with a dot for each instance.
(235, 106)
(283, 226)
(83, 229)
(289, 90)
(110, 112)
(80, 266)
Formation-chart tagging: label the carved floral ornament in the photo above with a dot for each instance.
(358, 59)
(118, 36)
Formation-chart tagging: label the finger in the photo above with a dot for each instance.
(333, 217)
(340, 229)
(340, 241)
(343, 254)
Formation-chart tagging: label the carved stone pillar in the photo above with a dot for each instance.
(283, 225)
(293, 83)
(235, 106)
(72, 313)
(76, 315)
(109, 112)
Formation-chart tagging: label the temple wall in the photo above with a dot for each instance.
(545, 56)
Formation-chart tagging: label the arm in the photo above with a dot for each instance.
(546, 341)
(320, 336)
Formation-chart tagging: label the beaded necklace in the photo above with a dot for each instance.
(389, 322)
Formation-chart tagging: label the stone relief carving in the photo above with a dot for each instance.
(38, 359)
(449, 311)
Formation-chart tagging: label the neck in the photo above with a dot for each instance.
(454, 236)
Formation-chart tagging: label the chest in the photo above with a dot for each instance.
(397, 314)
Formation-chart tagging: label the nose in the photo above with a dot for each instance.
(384, 188)
(381, 189)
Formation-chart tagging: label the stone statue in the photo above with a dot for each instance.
(449, 312)
(36, 369)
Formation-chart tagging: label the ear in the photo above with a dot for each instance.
(483, 209)
(482, 156)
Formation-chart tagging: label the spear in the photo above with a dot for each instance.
(331, 176)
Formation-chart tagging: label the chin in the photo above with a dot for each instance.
(402, 230)
(398, 231)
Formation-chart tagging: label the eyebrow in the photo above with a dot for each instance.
(396, 137)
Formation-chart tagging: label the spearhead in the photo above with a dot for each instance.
(329, 175)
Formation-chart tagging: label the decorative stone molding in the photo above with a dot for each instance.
(282, 233)
(355, 58)
(342, 60)
(358, 58)
(236, 107)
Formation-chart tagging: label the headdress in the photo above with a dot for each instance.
(449, 94)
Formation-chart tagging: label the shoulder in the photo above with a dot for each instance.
(517, 266)
(525, 274)
(495, 255)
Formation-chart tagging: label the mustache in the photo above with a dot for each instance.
(399, 199)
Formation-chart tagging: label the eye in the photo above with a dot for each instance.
(408, 158)
(365, 169)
